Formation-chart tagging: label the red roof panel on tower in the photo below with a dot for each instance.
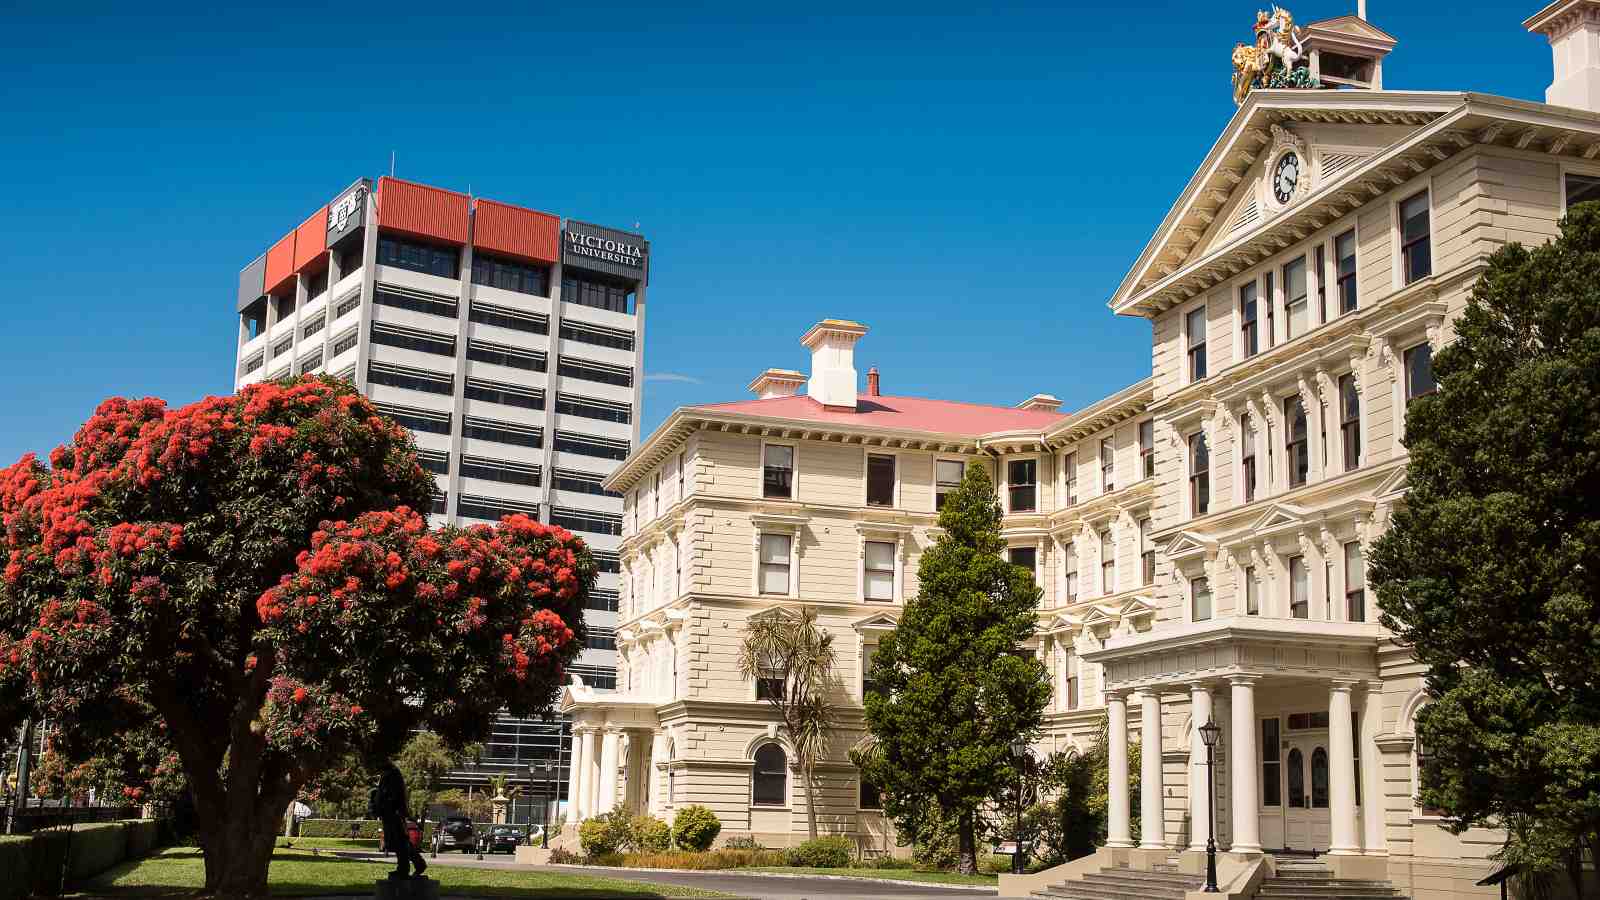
(515, 231)
(280, 264)
(901, 413)
(422, 211)
(311, 241)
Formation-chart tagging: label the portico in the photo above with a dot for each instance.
(616, 742)
(1294, 700)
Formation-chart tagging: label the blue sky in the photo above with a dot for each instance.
(971, 181)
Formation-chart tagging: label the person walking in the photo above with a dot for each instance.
(391, 809)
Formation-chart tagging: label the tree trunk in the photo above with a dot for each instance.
(237, 855)
(811, 801)
(966, 844)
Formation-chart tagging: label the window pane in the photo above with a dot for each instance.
(778, 472)
(880, 555)
(1026, 557)
(880, 480)
(775, 548)
(770, 781)
(1581, 188)
(879, 585)
(948, 472)
(1299, 588)
(1294, 297)
(1197, 327)
(1419, 371)
(1344, 247)
(1201, 591)
(774, 579)
(1252, 593)
(1319, 778)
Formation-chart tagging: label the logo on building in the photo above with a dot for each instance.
(345, 208)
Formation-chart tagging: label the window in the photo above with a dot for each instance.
(1416, 253)
(601, 638)
(870, 797)
(419, 257)
(603, 373)
(606, 561)
(1108, 563)
(415, 301)
(1071, 467)
(500, 470)
(1319, 778)
(1322, 283)
(601, 677)
(1027, 558)
(598, 335)
(1147, 449)
(581, 483)
(880, 480)
(1199, 474)
(1196, 322)
(1581, 188)
(409, 378)
(868, 685)
(586, 520)
(1249, 319)
(1252, 592)
(435, 461)
(1022, 476)
(1419, 372)
(602, 599)
(490, 509)
(310, 361)
(683, 465)
(595, 291)
(413, 339)
(585, 445)
(254, 320)
(417, 419)
(655, 495)
(1200, 599)
(1071, 549)
(508, 317)
(502, 432)
(1071, 662)
(1299, 588)
(1271, 765)
(1147, 554)
(770, 687)
(285, 305)
(1247, 459)
(769, 786)
(1350, 421)
(505, 355)
(1355, 582)
(774, 564)
(283, 346)
(1297, 445)
(1108, 466)
(777, 471)
(314, 326)
(1297, 312)
(510, 276)
(877, 576)
(1297, 779)
(1267, 297)
(590, 408)
(1344, 252)
(946, 478)
(345, 342)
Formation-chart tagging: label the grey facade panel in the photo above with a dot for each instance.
(252, 282)
(348, 211)
(606, 250)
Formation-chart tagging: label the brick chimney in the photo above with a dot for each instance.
(777, 383)
(1573, 29)
(872, 382)
(832, 343)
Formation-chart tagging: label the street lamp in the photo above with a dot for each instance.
(1210, 733)
(545, 768)
(1019, 751)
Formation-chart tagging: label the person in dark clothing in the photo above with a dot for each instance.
(391, 810)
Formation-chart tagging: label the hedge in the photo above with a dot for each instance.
(370, 829)
(48, 856)
(143, 836)
(14, 862)
(96, 848)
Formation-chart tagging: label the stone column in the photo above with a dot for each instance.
(1243, 761)
(611, 744)
(1119, 814)
(1151, 816)
(583, 774)
(1199, 773)
(1372, 837)
(658, 788)
(1341, 771)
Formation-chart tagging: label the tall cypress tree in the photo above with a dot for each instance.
(954, 685)
(1491, 570)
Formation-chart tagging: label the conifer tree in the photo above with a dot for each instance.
(954, 685)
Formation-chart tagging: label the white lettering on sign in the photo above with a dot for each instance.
(349, 205)
(597, 247)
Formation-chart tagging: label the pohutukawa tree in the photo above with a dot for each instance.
(251, 573)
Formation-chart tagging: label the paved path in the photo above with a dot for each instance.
(743, 884)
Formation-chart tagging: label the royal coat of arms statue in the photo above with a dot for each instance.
(1273, 61)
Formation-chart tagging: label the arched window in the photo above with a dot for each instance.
(1319, 778)
(769, 785)
(1297, 779)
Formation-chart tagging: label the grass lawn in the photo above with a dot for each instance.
(301, 843)
(891, 874)
(297, 873)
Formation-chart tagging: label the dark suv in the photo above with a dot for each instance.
(500, 839)
(455, 833)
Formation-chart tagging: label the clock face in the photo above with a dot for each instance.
(1285, 176)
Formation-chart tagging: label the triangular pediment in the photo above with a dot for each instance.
(1351, 26)
(773, 612)
(1393, 483)
(878, 622)
(1188, 543)
(1100, 614)
(1064, 622)
(1277, 516)
(1138, 606)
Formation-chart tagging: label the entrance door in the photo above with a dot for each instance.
(1306, 824)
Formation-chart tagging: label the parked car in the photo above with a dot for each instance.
(500, 839)
(455, 833)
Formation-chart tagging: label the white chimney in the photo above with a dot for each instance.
(832, 344)
(1042, 402)
(777, 383)
(1573, 29)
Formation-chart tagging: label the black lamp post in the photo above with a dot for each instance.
(545, 768)
(1019, 750)
(1209, 734)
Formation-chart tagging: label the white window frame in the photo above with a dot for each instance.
(1189, 583)
(1038, 557)
(1038, 482)
(794, 472)
(1397, 264)
(1185, 344)
(866, 457)
(1108, 585)
(1069, 478)
(884, 534)
(1138, 428)
(935, 479)
(785, 525)
(1108, 479)
(788, 776)
(1235, 290)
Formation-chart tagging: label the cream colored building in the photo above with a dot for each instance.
(1199, 537)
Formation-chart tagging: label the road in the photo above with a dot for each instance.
(743, 884)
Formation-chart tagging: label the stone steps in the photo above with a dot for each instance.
(1298, 879)
(1164, 882)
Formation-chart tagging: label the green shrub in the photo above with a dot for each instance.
(888, 862)
(561, 856)
(604, 834)
(648, 834)
(994, 864)
(14, 853)
(742, 842)
(95, 848)
(704, 860)
(143, 835)
(831, 852)
(695, 828)
(613, 859)
(48, 858)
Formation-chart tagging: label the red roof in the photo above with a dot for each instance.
(900, 413)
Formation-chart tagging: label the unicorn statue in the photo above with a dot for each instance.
(1277, 51)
